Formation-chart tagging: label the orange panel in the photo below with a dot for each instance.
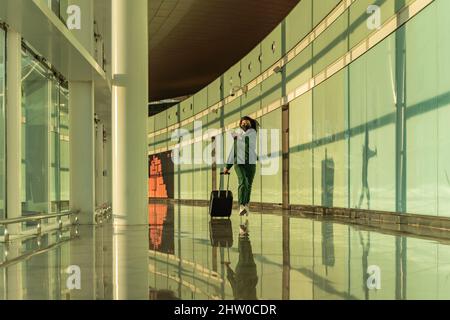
(157, 187)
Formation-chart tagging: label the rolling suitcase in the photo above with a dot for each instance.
(221, 201)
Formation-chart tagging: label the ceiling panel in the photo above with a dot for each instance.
(192, 42)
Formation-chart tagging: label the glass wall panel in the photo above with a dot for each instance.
(301, 150)
(187, 168)
(54, 143)
(271, 162)
(421, 72)
(64, 149)
(186, 108)
(322, 8)
(150, 140)
(176, 182)
(172, 115)
(201, 169)
(251, 68)
(271, 89)
(443, 98)
(251, 101)
(228, 145)
(331, 147)
(216, 121)
(358, 16)
(36, 97)
(251, 65)
(331, 44)
(298, 23)
(161, 120)
(214, 92)
(201, 100)
(232, 112)
(299, 70)
(232, 84)
(45, 139)
(271, 48)
(372, 134)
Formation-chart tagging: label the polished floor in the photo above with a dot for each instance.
(185, 255)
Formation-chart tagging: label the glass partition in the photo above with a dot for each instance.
(54, 147)
(36, 95)
(45, 139)
(64, 150)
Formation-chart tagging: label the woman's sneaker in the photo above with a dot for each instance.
(243, 211)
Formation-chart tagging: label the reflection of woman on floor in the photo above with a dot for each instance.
(245, 278)
(365, 262)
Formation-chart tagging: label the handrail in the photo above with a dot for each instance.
(38, 218)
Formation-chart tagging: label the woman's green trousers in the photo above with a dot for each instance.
(246, 174)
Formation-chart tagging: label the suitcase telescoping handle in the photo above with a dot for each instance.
(228, 180)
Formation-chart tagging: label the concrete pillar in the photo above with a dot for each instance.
(13, 127)
(129, 111)
(99, 165)
(82, 159)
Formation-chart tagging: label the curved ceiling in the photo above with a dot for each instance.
(192, 42)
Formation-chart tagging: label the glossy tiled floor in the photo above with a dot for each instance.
(184, 256)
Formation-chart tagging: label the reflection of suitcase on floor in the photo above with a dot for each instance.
(221, 202)
(221, 233)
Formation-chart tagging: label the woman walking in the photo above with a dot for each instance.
(244, 159)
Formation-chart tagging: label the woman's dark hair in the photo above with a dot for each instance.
(253, 122)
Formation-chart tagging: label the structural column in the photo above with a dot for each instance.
(14, 273)
(129, 148)
(13, 127)
(129, 111)
(82, 127)
(82, 153)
